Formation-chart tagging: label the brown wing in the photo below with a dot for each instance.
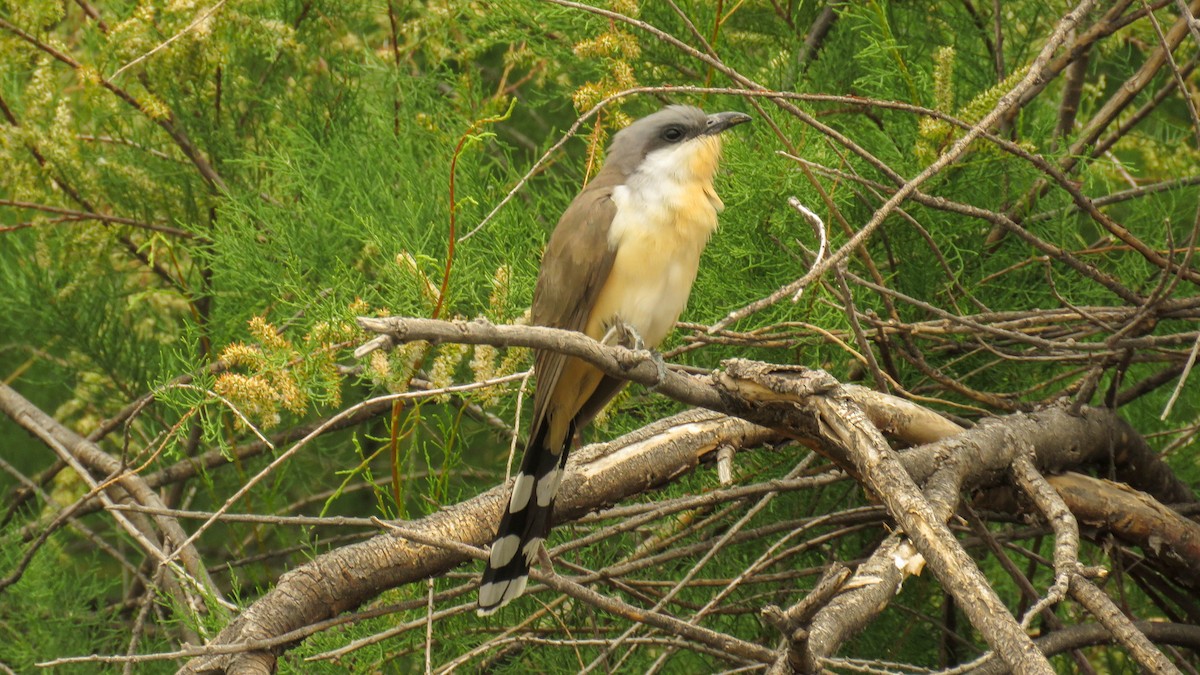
(574, 268)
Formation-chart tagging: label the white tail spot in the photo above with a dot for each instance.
(547, 487)
(496, 594)
(521, 492)
(503, 551)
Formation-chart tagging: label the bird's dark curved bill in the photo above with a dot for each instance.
(718, 122)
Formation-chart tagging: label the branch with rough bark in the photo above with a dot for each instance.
(842, 421)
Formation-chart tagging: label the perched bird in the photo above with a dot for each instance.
(624, 255)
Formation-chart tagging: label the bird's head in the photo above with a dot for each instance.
(680, 140)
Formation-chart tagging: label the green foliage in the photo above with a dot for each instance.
(53, 612)
(218, 193)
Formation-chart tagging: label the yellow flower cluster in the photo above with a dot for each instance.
(445, 362)
(393, 370)
(615, 48)
(253, 396)
(273, 374)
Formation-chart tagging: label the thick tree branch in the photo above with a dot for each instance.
(347, 577)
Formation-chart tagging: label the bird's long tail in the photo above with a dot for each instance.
(526, 520)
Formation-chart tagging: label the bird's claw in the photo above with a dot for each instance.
(627, 336)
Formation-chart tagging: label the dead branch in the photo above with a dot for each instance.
(1135, 518)
(795, 401)
(347, 577)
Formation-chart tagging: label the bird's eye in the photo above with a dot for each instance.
(672, 134)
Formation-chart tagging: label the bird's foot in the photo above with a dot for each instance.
(625, 335)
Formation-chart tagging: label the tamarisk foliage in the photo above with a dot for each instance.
(264, 270)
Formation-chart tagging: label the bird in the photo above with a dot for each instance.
(623, 257)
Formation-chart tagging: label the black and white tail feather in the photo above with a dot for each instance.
(526, 521)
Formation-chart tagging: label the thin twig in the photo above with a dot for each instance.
(163, 45)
